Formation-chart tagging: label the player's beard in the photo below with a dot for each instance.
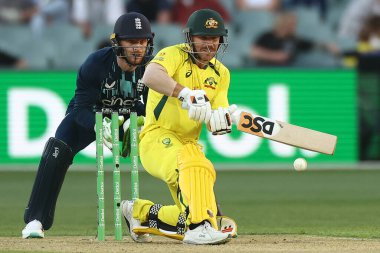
(205, 55)
(135, 55)
(135, 58)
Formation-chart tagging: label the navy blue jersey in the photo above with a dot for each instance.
(100, 83)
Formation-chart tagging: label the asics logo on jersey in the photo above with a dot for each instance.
(188, 73)
(110, 86)
(138, 24)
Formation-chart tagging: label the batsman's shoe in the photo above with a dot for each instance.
(205, 234)
(127, 209)
(227, 225)
(33, 229)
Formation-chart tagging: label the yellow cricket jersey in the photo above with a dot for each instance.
(166, 112)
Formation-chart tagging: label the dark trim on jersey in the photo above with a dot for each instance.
(213, 67)
(180, 198)
(157, 111)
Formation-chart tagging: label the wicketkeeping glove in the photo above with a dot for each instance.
(107, 134)
(126, 146)
(197, 104)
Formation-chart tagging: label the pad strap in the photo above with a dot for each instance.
(181, 225)
(153, 220)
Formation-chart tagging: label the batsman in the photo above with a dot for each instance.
(169, 147)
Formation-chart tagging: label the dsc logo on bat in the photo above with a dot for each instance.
(257, 125)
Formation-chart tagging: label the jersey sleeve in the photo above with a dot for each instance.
(221, 98)
(88, 83)
(169, 58)
(87, 93)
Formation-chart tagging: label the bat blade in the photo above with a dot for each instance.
(287, 133)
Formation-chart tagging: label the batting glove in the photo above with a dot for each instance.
(220, 122)
(197, 104)
(235, 114)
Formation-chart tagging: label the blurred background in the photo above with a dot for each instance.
(313, 63)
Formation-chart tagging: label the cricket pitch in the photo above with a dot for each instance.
(244, 243)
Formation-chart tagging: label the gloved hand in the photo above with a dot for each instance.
(126, 146)
(235, 114)
(107, 134)
(220, 121)
(197, 104)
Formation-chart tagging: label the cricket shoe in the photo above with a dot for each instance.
(33, 229)
(205, 234)
(127, 209)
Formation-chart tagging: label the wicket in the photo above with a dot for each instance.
(116, 167)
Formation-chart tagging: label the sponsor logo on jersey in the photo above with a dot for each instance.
(188, 73)
(110, 86)
(210, 83)
(117, 101)
(211, 23)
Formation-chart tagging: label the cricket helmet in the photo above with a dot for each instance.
(131, 25)
(205, 22)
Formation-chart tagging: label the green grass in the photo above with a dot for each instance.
(328, 203)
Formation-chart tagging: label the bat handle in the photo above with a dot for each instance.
(219, 210)
(235, 113)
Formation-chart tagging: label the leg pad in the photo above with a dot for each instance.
(196, 182)
(56, 159)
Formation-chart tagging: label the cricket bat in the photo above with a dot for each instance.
(285, 133)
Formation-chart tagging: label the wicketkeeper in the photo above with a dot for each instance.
(104, 80)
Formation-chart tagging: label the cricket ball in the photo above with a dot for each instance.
(300, 164)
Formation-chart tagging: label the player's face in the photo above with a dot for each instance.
(205, 47)
(134, 49)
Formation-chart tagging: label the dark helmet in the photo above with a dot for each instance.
(205, 22)
(132, 25)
